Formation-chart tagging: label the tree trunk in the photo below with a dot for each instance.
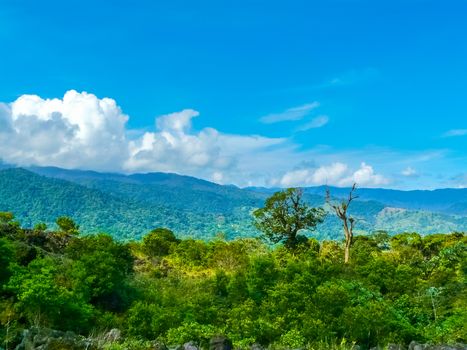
(348, 241)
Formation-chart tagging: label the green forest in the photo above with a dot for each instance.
(127, 207)
(285, 291)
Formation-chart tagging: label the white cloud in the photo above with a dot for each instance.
(317, 122)
(295, 113)
(175, 147)
(83, 131)
(78, 130)
(337, 174)
(409, 171)
(455, 132)
(217, 176)
(365, 176)
(330, 174)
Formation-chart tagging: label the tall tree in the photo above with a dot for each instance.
(284, 215)
(67, 225)
(348, 222)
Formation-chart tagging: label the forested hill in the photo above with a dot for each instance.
(34, 199)
(128, 206)
(452, 201)
(449, 200)
(170, 190)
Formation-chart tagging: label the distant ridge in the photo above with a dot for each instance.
(128, 206)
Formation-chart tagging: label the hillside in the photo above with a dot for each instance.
(448, 201)
(34, 198)
(128, 206)
(171, 190)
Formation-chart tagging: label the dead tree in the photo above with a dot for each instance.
(348, 222)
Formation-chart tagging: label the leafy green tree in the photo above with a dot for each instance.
(159, 242)
(41, 226)
(261, 276)
(67, 225)
(6, 217)
(284, 215)
(6, 257)
(100, 269)
(42, 295)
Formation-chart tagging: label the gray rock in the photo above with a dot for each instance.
(190, 346)
(48, 339)
(396, 347)
(113, 335)
(415, 346)
(256, 346)
(157, 345)
(220, 343)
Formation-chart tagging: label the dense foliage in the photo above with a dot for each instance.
(395, 289)
(127, 207)
(284, 215)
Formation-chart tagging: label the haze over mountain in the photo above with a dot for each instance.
(128, 206)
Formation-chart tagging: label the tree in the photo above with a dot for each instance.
(6, 217)
(348, 221)
(284, 215)
(159, 242)
(42, 293)
(100, 269)
(6, 257)
(41, 226)
(67, 225)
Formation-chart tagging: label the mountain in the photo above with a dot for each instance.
(448, 201)
(128, 206)
(34, 198)
(170, 190)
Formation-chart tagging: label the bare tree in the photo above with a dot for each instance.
(348, 222)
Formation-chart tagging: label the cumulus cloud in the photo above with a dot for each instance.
(83, 131)
(71, 132)
(338, 174)
(295, 113)
(175, 147)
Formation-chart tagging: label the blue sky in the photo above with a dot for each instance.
(288, 93)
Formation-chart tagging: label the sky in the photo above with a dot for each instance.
(251, 93)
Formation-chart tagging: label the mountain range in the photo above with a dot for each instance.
(128, 206)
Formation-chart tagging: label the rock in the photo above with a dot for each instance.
(220, 343)
(49, 339)
(256, 346)
(156, 345)
(396, 347)
(113, 335)
(417, 346)
(190, 346)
